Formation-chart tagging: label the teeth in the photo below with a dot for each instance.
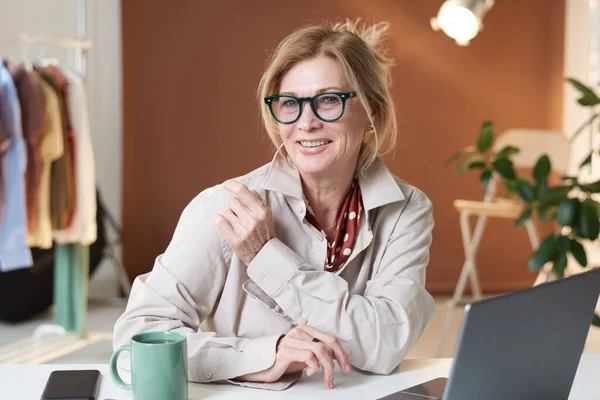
(313, 144)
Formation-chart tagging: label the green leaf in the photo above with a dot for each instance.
(460, 153)
(543, 214)
(523, 217)
(542, 169)
(590, 225)
(541, 188)
(563, 243)
(596, 320)
(578, 252)
(473, 162)
(504, 167)
(507, 151)
(588, 160)
(593, 203)
(566, 211)
(576, 225)
(525, 191)
(588, 98)
(546, 252)
(511, 186)
(486, 137)
(559, 265)
(485, 177)
(593, 187)
(554, 195)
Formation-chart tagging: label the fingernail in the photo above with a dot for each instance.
(347, 368)
(330, 384)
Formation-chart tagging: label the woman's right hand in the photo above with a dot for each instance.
(297, 350)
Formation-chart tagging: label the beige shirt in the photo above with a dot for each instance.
(233, 315)
(51, 148)
(83, 227)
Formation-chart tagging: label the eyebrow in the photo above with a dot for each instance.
(318, 91)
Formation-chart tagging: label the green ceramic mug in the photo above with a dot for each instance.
(159, 368)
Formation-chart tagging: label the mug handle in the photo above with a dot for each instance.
(114, 373)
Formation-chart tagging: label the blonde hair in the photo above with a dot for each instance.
(366, 68)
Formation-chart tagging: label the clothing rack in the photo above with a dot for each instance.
(71, 261)
(65, 42)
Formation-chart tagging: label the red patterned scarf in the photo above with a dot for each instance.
(346, 230)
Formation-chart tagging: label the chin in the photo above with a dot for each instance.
(313, 167)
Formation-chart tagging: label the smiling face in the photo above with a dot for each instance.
(318, 148)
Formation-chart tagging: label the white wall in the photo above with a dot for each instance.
(58, 18)
(577, 65)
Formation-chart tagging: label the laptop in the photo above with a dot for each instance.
(522, 345)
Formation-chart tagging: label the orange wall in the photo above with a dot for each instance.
(190, 70)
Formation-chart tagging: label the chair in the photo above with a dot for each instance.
(532, 143)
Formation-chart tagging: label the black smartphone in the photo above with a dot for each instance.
(72, 385)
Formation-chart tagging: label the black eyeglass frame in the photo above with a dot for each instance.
(343, 95)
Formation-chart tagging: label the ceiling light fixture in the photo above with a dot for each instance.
(461, 19)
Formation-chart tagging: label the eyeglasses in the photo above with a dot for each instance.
(328, 106)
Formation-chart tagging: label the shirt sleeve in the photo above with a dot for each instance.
(377, 329)
(181, 291)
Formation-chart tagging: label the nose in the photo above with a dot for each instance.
(308, 120)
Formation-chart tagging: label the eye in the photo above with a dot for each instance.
(289, 103)
(329, 99)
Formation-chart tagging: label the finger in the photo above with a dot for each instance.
(235, 222)
(241, 211)
(307, 357)
(331, 341)
(225, 227)
(300, 334)
(250, 199)
(324, 357)
(257, 195)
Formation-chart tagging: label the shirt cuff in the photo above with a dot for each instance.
(256, 355)
(273, 266)
(281, 384)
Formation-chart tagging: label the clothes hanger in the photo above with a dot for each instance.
(25, 59)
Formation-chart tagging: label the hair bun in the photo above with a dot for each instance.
(373, 34)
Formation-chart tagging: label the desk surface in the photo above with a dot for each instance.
(26, 381)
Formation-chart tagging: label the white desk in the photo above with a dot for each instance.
(26, 381)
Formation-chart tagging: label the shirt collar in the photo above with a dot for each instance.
(378, 187)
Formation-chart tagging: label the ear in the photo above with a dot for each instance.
(375, 118)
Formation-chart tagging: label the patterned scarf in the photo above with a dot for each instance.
(346, 229)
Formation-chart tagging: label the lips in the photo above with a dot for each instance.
(313, 147)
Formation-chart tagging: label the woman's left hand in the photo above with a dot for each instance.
(247, 224)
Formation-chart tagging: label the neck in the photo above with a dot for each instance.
(325, 196)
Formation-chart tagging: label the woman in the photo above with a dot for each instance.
(317, 256)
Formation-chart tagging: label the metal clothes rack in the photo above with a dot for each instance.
(71, 261)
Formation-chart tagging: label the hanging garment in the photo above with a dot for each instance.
(51, 148)
(3, 185)
(14, 252)
(62, 186)
(24, 293)
(83, 226)
(32, 124)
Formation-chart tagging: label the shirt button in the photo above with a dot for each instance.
(301, 209)
(320, 238)
(304, 320)
(208, 375)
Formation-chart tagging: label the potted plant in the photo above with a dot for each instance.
(570, 206)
